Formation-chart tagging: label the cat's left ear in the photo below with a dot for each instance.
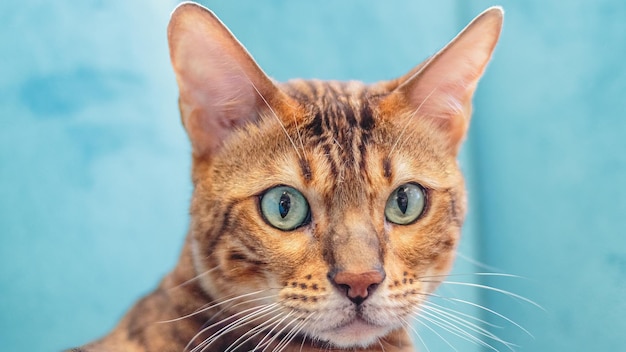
(441, 89)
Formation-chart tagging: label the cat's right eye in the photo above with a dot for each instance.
(285, 208)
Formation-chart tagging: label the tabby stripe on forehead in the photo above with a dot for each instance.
(366, 124)
(348, 113)
(306, 169)
(312, 89)
(315, 125)
(332, 92)
(367, 118)
(298, 94)
(341, 124)
(334, 168)
(387, 167)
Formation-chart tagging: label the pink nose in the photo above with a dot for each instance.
(357, 285)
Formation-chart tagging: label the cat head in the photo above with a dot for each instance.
(335, 206)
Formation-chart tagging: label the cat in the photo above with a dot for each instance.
(323, 213)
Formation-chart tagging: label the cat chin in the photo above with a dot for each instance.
(356, 334)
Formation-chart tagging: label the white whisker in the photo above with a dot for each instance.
(490, 311)
(255, 331)
(275, 335)
(455, 330)
(477, 263)
(263, 343)
(257, 313)
(303, 340)
(291, 335)
(284, 343)
(380, 343)
(295, 121)
(193, 278)
(505, 292)
(463, 323)
(230, 306)
(472, 274)
(214, 305)
(337, 142)
(434, 331)
(469, 316)
(409, 325)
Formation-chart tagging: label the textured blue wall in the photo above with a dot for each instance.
(550, 159)
(94, 163)
(93, 166)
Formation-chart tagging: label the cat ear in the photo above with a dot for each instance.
(441, 89)
(221, 86)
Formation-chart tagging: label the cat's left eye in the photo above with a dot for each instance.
(284, 208)
(405, 204)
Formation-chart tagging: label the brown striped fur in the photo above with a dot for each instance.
(346, 146)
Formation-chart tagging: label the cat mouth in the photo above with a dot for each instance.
(356, 323)
(353, 333)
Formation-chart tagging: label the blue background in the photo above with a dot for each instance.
(94, 163)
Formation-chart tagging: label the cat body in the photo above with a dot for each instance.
(323, 214)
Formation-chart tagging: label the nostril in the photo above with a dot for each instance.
(344, 288)
(372, 287)
(357, 285)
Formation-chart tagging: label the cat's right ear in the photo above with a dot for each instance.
(221, 86)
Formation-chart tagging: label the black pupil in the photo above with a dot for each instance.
(402, 199)
(284, 204)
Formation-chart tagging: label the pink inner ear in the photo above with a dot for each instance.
(445, 96)
(215, 75)
(219, 91)
(442, 90)
(215, 97)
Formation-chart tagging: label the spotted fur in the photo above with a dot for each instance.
(243, 285)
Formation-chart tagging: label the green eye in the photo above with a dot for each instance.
(405, 204)
(284, 208)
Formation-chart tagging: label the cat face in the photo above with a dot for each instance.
(326, 211)
(340, 261)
